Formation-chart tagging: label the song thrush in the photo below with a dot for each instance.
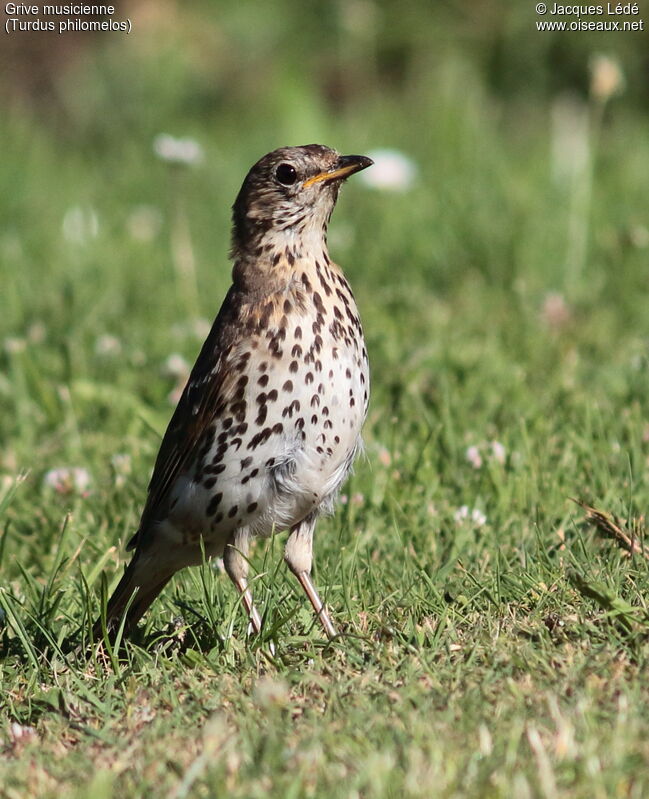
(269, 423)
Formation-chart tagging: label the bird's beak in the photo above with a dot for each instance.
(343, 168)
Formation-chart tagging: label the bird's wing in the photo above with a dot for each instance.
(210, 385)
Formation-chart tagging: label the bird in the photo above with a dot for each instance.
(269, 422)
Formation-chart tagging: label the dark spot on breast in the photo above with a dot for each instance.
(314, 419)
(213, 504)
(252, 507)
(264, 320)
(259, 438)
(261, 416)
(215, 469)
(210, 482)
(239, 410)
(278, 428)
(291, 409)
(263, 381)
(219, 454)
(298, 332)
(309, 378)
(233, 511)
(293, 367)
(288, 386)
(348, 373)
(287, 306)
(272, 396)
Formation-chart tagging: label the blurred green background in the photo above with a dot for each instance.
(529, 151)
(501, 274)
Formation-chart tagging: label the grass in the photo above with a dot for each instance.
(494, 644)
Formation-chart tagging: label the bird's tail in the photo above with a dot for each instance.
(134, 594)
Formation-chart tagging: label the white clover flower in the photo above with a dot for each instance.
(464, 514)
(36, 332)
(639, 236)
(13, 345)
(271, 692)
(21, 732)
(68, 480)
(80, 224)
(178, 151)
(122, 466)
(144, 223)
(392, 171)
(107, 345)
(200, 328)
(473, 456)
(606, 77)
(385, 459)
(498, 452)
(121, 462)
(176, 366)
(555, 311)
(478, 517)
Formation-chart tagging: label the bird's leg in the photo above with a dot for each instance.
(235, 560)
(298, 554)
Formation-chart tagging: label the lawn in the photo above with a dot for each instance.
(494, 640)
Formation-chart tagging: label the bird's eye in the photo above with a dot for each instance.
(286, 174)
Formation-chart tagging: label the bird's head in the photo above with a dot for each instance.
(287, 198)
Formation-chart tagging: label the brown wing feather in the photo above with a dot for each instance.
(209, 384)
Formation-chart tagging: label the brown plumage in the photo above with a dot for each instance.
(269, 423)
